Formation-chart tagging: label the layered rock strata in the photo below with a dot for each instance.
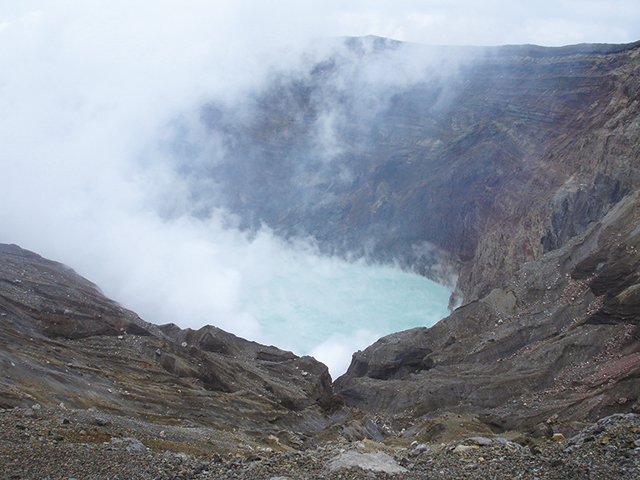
(560, 340)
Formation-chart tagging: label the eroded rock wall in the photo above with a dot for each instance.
(561, 338)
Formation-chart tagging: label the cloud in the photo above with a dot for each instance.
(497, 22)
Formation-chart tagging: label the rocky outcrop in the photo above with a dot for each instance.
(63, 342)
(561, 340)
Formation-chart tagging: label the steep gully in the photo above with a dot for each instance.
(523, 182)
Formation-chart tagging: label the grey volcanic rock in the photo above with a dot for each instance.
(51, 299)
(560, 340)
(377, 462)
(64, 342)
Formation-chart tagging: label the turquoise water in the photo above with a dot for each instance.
(330, 308)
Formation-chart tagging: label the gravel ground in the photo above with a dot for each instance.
(45, 443)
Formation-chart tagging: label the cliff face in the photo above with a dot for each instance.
(514, 167)
(465, 161)
(561, 339)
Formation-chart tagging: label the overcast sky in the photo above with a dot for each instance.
(488, 22)
(88, 87)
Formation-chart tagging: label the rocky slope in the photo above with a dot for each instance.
(49, 443)
(560, 340)
(63, 343)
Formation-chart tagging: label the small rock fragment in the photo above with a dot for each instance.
(464, 448)
(377, 461)
(481, 441)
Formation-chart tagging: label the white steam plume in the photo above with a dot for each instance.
(90, 91)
